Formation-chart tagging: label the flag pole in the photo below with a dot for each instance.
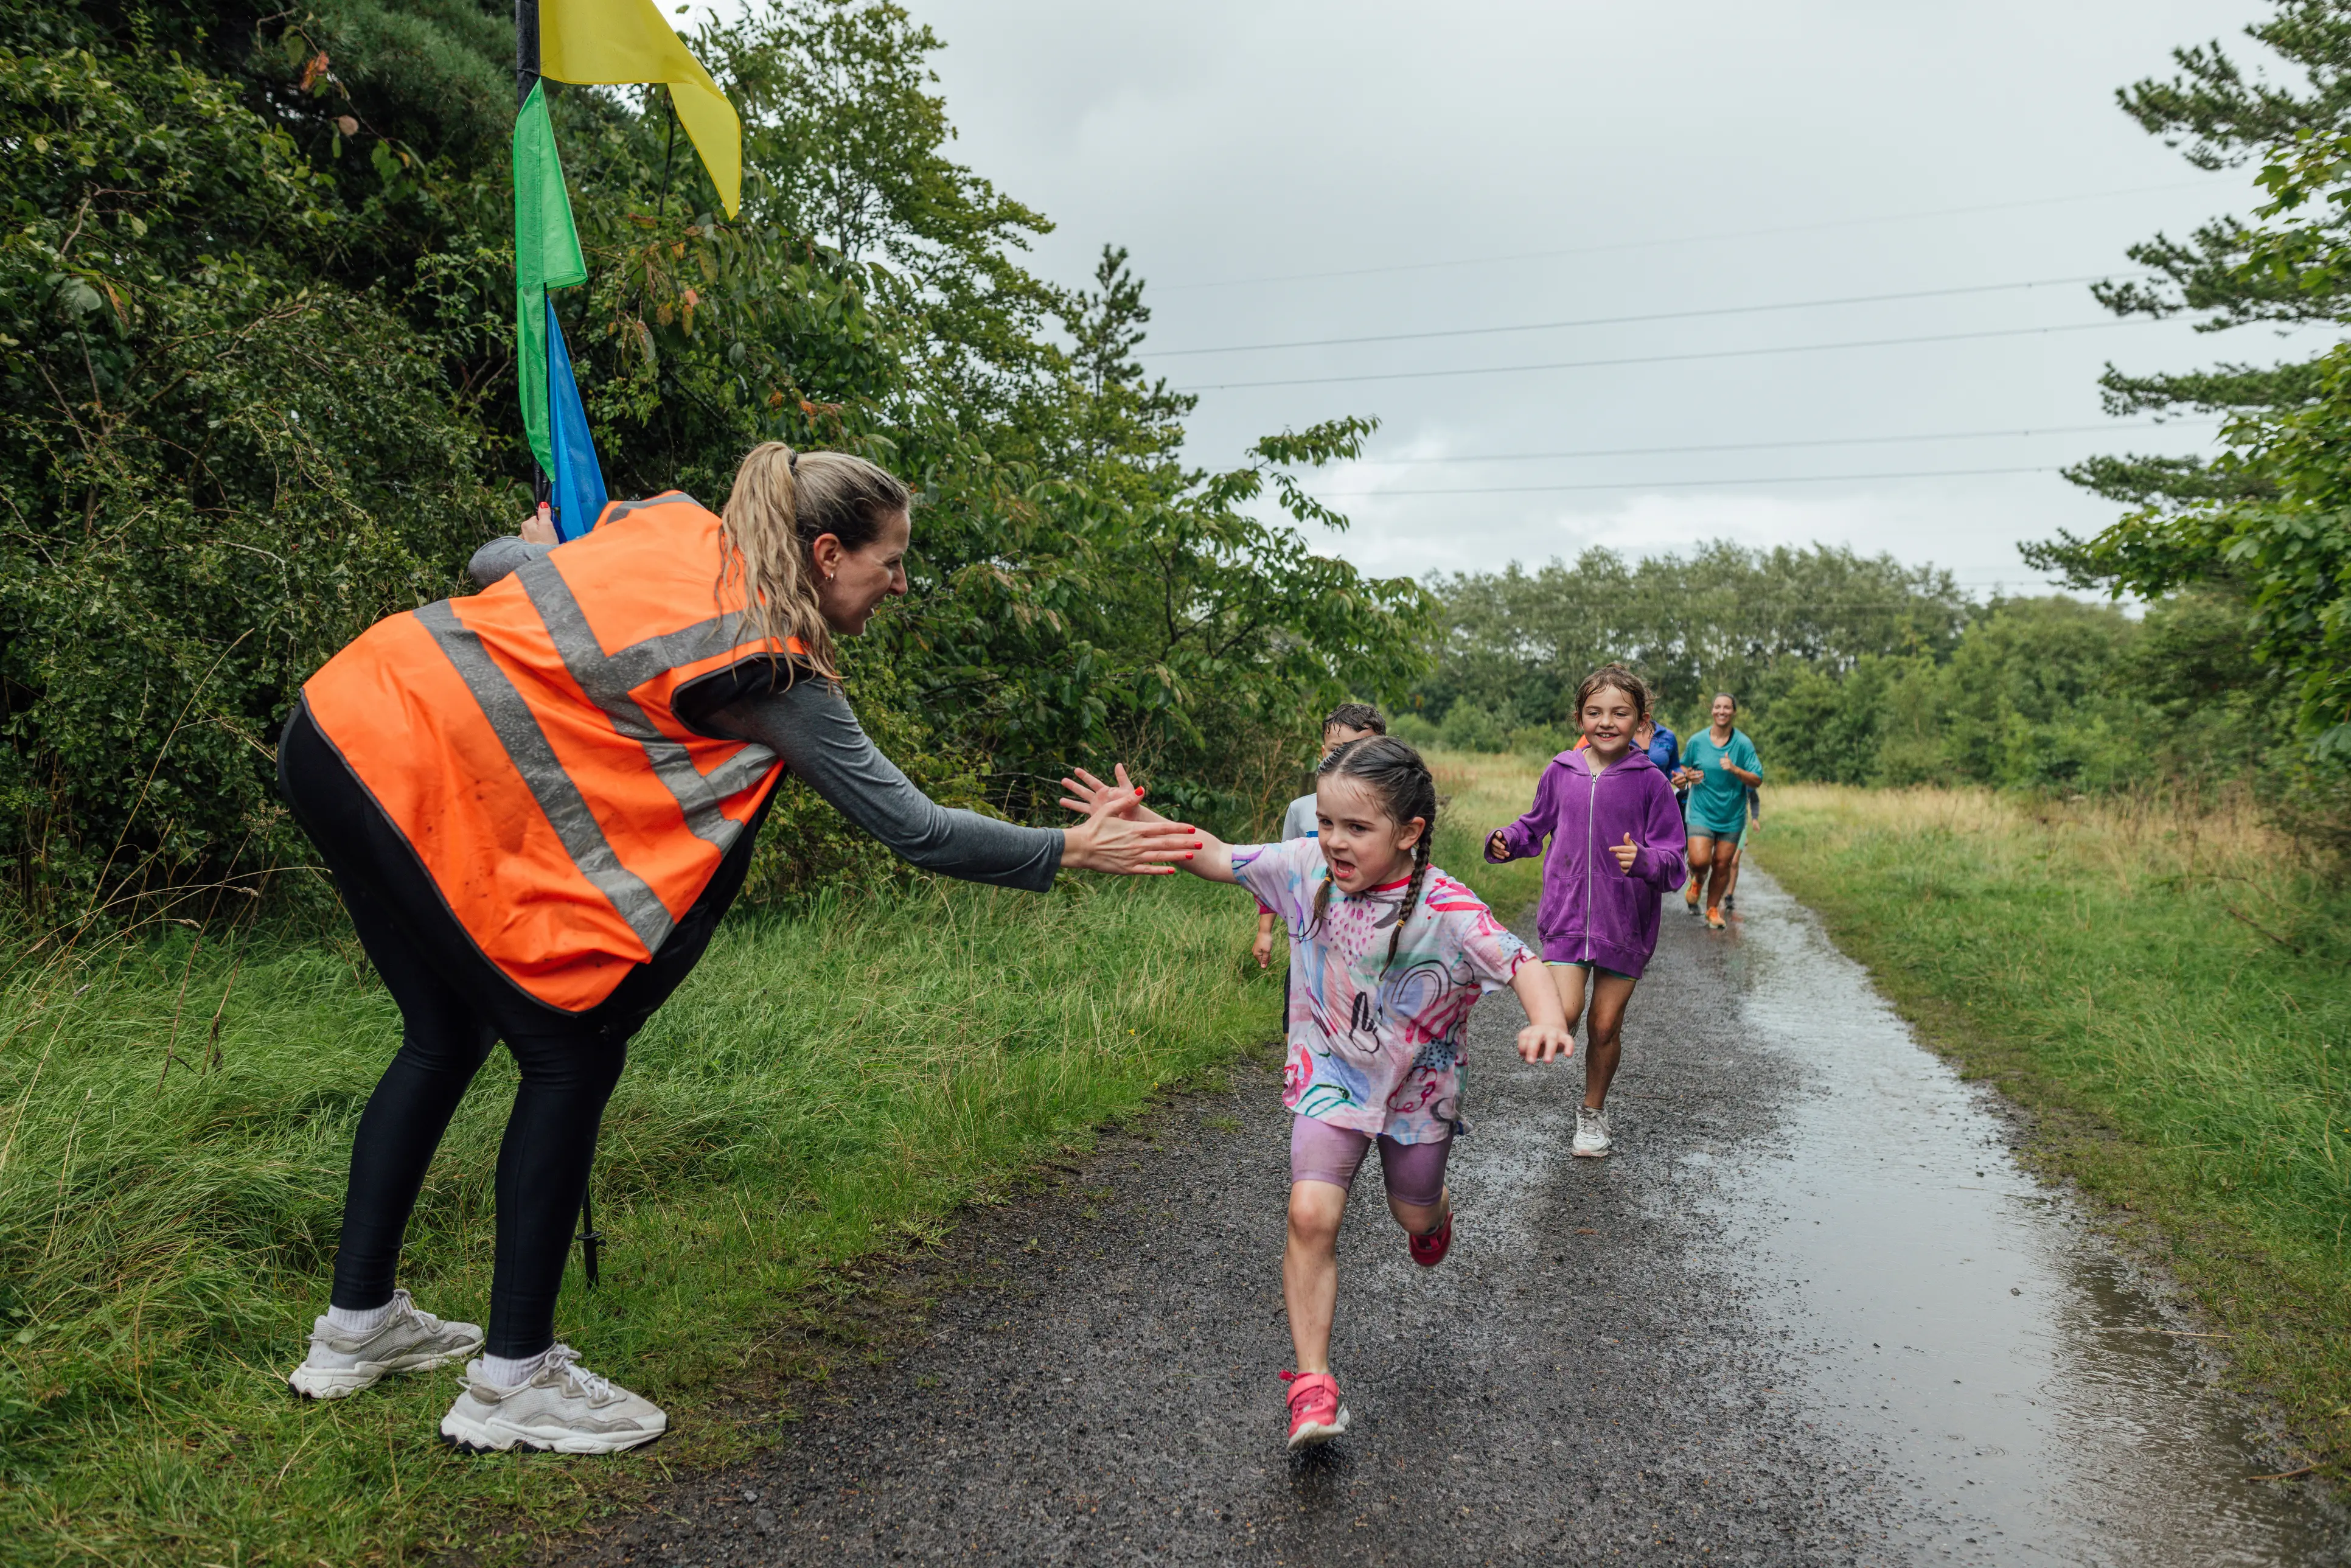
(525, 77)
(590, 1239)
(526, 49)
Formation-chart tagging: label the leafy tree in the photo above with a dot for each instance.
(258, 393)
(1116, 414)
(1814, 725)
(2220, 116)
(2271, 528)
(209, 460)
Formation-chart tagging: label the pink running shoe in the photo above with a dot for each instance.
(1315, 1413)
(1429, 1250)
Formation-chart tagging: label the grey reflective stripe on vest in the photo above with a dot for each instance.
(619, 509)
(527, 748)
(608, 679)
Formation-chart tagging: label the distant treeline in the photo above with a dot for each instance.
(1864, 671)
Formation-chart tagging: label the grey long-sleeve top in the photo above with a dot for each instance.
(809, 726)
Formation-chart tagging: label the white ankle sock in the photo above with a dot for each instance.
(360, 1319)
(507, 1372)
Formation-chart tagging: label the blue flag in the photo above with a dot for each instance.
(576, 479)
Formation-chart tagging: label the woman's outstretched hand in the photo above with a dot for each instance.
(1497, 848)
(1115, 809)
(1118, 835)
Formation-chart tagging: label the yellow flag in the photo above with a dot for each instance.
(613, 41)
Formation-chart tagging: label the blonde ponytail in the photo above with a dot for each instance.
(782, 503)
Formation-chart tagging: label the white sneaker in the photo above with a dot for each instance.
(564, 1407)
(1591, 1132)
(340, 1363)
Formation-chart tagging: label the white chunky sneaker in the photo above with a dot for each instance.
(564, 1407)
(341, 1363)
(1591, 1132)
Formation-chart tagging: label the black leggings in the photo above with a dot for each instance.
(455, 1006)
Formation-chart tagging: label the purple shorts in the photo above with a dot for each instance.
(1415, 1173)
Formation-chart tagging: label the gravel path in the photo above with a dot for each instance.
(1587, 1377)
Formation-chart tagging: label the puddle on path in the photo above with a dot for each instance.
(1954, 1316)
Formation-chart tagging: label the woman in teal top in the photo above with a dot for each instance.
(1719, 765)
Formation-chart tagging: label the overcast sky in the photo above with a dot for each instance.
(1288, 169)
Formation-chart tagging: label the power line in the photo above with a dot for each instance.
(1686, 239)
(1783, 445)
(1664, 358)
(1621, 321)
(1887, 601)
(1683, 484)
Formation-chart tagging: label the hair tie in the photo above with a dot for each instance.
(793, 462)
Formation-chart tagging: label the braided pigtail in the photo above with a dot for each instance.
(1421, 853)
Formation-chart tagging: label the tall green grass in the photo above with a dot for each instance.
(826, 1085)
(2170, 990)
(1477, 792)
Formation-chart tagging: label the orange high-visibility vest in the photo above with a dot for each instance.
(525, 743)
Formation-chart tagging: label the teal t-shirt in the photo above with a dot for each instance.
(1717, 801)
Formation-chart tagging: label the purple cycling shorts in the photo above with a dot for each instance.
(1415, 1173)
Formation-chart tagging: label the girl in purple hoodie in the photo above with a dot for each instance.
(1616, 849)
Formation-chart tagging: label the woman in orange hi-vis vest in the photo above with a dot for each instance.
(537, 803)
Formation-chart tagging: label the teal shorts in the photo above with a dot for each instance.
(1588, 967)
(1700, 827)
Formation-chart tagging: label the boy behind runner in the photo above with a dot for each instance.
(1348, 721)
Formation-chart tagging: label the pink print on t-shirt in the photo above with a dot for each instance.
(1375, 1045)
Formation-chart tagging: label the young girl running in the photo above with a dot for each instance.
(1615, 851)
(1389, 955)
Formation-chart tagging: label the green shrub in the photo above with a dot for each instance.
(1469, 726)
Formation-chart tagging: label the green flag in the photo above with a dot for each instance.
(547, 255)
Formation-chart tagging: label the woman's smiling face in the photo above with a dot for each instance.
(1364, 846)
(852, 583)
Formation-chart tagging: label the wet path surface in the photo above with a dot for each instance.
(1810, 1313)
(2032, 1397)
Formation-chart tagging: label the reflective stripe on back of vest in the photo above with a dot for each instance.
(524, 741)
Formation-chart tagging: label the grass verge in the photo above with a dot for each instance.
(2169, 993)
(1476, 794)
(174, 1127)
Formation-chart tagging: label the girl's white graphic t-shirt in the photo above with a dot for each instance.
(1375, 1045)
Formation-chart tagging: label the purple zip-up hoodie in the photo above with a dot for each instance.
(1591, 912)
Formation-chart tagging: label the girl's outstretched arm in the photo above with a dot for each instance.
(1209, 857)
(1525, 836)
(1546, 1035)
